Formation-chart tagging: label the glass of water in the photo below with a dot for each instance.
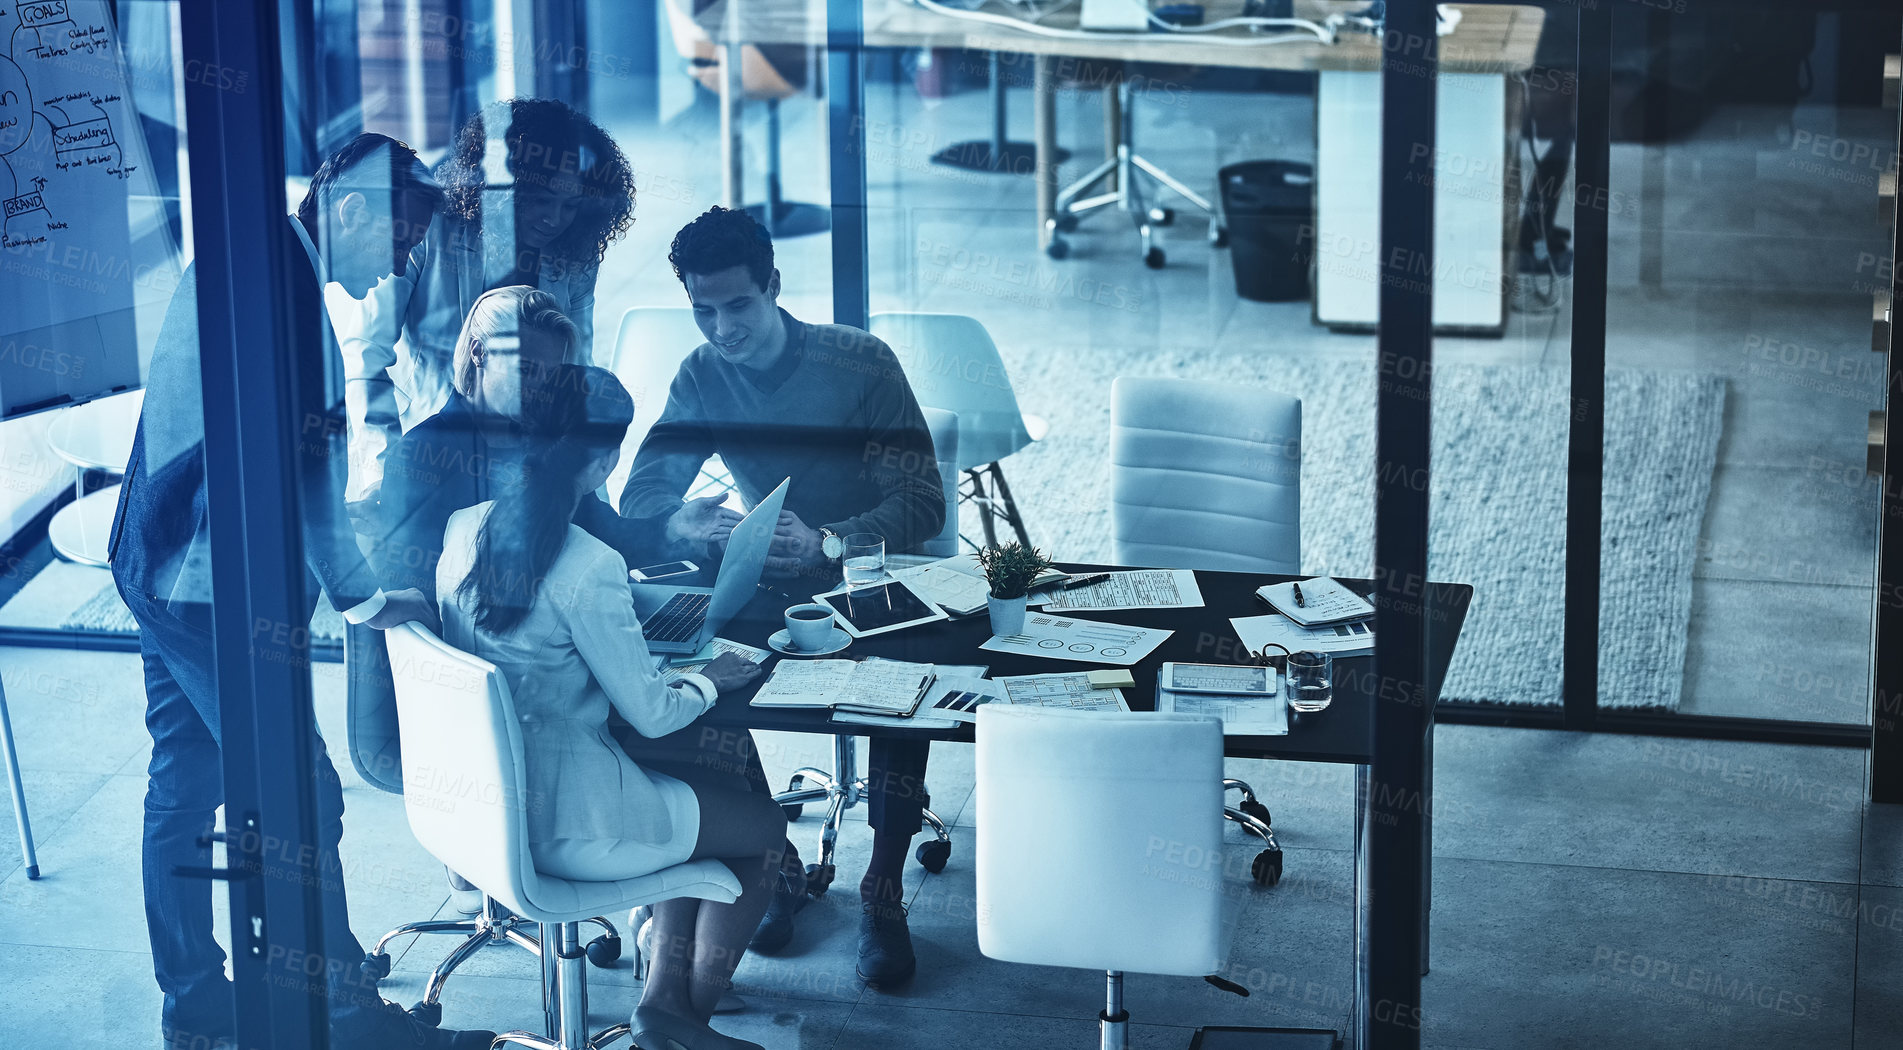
(1311, 682)
(863, 557)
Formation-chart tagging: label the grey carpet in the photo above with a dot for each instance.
(104, 611)
(1498, 491)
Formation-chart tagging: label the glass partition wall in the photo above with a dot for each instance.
(1723, 515)
(1040, 233)
(1746, 249)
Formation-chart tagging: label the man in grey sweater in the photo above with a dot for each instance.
(829, 407)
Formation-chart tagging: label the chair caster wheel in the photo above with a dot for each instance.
(819, 879)
(1267, 867)
(428, 1013)
(1255, 808)
(1153, 258)
(1057, 248)
(933, 855)
(1162, 216)
(604, 950)
(792, 812)
(375, 967)
(1219, 237)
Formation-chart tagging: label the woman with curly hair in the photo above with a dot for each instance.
(535, 193)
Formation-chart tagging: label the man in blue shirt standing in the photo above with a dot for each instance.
(368, 205)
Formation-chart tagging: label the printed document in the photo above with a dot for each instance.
(1067, 689)
(954, 697)
(1139, 589)
(1086, 641)
(1241, 715)
(1273, 629)
(947, 585)
(672, 668)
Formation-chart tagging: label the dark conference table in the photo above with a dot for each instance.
(1342, 733)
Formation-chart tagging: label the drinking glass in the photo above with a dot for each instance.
(863, 558)
(1311, 682)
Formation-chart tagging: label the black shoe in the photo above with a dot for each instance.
(204, 1020)
(776, 926)
(885, 945)
(388, 1026)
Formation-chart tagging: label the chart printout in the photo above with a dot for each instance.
(1086, 641)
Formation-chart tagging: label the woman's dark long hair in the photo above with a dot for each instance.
(544, 140)
(574, 414)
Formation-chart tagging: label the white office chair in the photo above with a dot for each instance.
(649, 348)
(1208, 475)
(768, 73)
(841, 787)
(1205, 475)
(466, 795)
(951, 363)
(1099, 846)
(944, 428)
(373, 736)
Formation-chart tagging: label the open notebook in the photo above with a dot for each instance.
(872, 686)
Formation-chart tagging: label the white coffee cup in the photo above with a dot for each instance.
(809, 626)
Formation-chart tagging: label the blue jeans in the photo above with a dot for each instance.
(186, 786)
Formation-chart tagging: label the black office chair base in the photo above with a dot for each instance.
(1121, 179)
(982, 155)
(841, 789)
(493, 925)
(792, 218)
(1266, 868)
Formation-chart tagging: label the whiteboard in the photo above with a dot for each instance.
(85, 244)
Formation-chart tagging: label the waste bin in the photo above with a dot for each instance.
(1268, 208)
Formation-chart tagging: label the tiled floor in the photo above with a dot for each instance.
(1590, 891)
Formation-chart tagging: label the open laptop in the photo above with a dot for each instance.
(678, 619)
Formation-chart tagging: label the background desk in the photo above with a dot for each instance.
(1476, 188)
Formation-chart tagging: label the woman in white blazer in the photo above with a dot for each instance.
(525, 588)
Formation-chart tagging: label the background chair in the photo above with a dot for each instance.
(767, 74)
(841, 787)
(1205, 475)
(951, 363)
(95, 436)
(650, 345)
(466, 796)
(1120, 178)
(944, 428)
(1208, 475)
(1099, 846)
(373, 732)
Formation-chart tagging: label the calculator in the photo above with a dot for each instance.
(1226, 679)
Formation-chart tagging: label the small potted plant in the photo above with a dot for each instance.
(1010, 569)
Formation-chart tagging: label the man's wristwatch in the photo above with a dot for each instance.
(830, 544)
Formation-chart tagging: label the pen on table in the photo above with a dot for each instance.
(1081, 581)
(1299, 600)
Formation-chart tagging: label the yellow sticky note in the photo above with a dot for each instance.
(1114, 679)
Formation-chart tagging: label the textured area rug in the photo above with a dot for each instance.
(106, 612)
(1498, 490)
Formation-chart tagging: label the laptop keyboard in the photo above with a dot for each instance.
(680, 619)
